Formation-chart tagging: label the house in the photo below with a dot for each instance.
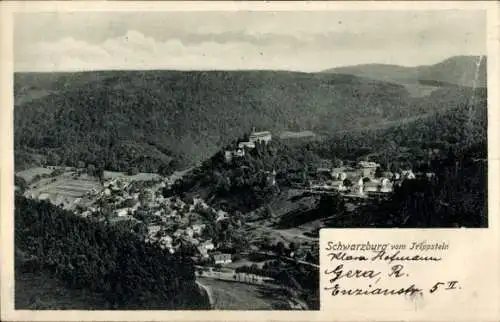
(189, 232)
(239, 153)
(339, 185)
(166, 241)
(147, 196)
(122, 212)
(221, 215)
(228, 156)
(430, 175)
(203, 252)
(205, 247)
(86, 213)
(368, 164)
(408, 174)
(264, 136)
(338, 174)
(368, 168)
(368, 172)
(372, 186)
(358, 186)
(396, 176)
(386, 185)
(221, 258)
(153, 230)
(198, 228)
(248, 145)
(208, 245)
(271, 178)
(44, 196)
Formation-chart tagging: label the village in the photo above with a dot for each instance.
(172, 222)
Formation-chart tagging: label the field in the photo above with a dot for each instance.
(420, 90)
(29, 174)
(62, 189)
(240, 296)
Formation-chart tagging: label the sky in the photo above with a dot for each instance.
(299, 41)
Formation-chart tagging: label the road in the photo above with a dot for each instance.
(289, 259)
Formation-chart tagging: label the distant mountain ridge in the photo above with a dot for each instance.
(467, 71)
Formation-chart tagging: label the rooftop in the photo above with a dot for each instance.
(262, 133)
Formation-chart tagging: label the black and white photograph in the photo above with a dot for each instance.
(187, 160)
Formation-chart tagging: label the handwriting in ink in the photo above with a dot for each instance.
(450, 285)
(410, 290)
(340, 273)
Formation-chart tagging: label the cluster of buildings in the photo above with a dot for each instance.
(361, 180)
(255, 137)
(170, 222)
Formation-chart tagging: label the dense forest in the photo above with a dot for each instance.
(458, 127)
(171, 119)
(243, 183)
(107, 259)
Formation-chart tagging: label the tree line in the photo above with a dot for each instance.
(103, 258)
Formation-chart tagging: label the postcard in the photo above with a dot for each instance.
(295, 161)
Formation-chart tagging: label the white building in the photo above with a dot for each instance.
(264, 136)
(228, 156)
(248, 145)
(221, 215)
(368, 164)
(222, 258)
(44, 196)
(408, 174)
(198, 228)
(166, 241)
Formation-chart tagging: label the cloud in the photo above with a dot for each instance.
(243, 40)
(137, 51)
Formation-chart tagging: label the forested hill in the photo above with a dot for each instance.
(460, 129)
(150, 119)
(459, 70)
(109, 260)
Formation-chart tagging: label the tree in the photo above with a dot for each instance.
(347, 183)
(267, 213)
(293, 247)
(100, 173)
(164, 170)
(80, 165)
(91, 170)
(132, 171)
(280, 248)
